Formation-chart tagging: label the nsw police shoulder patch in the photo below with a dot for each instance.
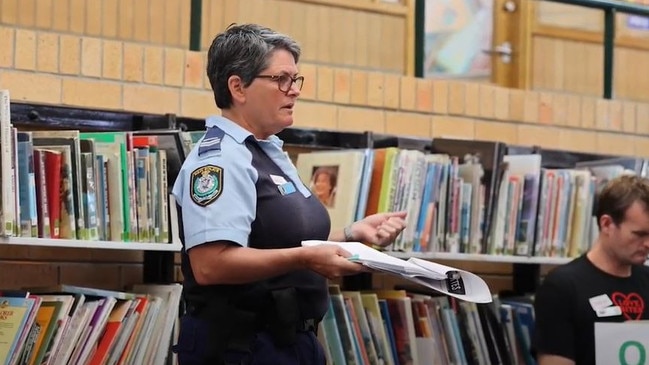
(206, 184)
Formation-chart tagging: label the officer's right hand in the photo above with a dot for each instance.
(331, 261)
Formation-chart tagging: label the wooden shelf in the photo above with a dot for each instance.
(481, 257)
(110, 245)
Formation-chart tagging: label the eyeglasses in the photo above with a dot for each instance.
(284, 82)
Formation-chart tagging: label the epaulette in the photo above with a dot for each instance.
(211, 141)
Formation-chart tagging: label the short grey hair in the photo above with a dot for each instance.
(243, 50)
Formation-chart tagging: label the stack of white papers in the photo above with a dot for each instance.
(455, 282)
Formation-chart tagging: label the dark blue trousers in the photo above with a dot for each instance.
(193, 343)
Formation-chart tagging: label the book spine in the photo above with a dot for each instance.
(164, 196)
(41, 194)
(53, 182)
(7, 214)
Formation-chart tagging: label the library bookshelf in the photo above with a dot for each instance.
(140, 281)
(159, 258)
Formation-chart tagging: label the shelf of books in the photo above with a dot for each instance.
(66, 324)
(403, 326)
(471, 200)
(87, 189)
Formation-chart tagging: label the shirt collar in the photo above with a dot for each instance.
(237, 132)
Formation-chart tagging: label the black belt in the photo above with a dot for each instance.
(304, 325)
(277, 314)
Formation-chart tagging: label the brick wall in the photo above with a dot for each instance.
(343, 32)
(350, 33)
(67, 69)
(164, 22)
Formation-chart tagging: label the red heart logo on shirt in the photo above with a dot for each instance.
(632, 305)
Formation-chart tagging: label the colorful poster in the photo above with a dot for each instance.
(456, 33)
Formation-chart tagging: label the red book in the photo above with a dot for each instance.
(53, 162)
(144, 141)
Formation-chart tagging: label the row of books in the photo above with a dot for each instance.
(498, 201)
(84, 326)
(400, 327)
(110, 186)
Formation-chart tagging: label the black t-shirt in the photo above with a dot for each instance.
(565, 319)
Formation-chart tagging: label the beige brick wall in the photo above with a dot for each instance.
(358, 33)
(345, 33)
(163, 22)
(109, 74)
(67, 69)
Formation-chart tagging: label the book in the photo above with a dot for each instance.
(448, 280)
(324, 171)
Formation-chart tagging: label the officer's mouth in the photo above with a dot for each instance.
(288, 107)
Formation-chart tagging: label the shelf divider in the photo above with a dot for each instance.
(55, 242)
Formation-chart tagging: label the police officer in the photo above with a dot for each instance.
(253, 295)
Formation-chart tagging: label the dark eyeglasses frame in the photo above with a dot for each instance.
(278, 79)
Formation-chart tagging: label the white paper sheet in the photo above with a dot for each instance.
(423, 272)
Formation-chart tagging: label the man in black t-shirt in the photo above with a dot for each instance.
(607, 284)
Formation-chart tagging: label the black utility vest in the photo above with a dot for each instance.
(281, 221)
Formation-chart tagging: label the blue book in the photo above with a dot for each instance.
(26, 186)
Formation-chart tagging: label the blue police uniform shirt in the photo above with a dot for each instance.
(233, 187)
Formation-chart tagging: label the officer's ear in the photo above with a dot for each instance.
(237, 89)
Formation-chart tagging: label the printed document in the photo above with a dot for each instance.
(455, 282)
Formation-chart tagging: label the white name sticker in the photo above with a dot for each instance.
(600, 301)
(609, 312)
(278, 180)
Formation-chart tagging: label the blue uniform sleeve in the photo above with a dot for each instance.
(217, 195)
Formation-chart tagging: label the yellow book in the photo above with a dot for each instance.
(13, 315)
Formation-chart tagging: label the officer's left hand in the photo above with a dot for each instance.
(379, 229)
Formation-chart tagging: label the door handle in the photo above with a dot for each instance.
(504, 50)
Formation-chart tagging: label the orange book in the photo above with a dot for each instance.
(115, 321)
(140, 309)
(46, 320)
(375, 183)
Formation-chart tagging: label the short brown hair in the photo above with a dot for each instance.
(243, 50)
(619, 194)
